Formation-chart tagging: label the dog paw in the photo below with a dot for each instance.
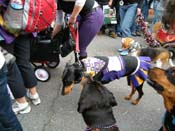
(134, 102)
(127, 98)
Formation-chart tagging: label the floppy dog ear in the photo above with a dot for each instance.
(82, 106)
(94, 94)
(110, 98)
(113, 102)
(78, 73)
(84, 102)
(66, 69)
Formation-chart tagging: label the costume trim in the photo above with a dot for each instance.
(141, 73)
(138, 66)
(99, 128)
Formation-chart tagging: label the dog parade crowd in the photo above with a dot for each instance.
(69, 26)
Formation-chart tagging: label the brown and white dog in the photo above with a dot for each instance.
(95, 104)
(163, 81)
(159, 55)
(106, 69)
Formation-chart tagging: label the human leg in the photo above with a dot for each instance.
(145, 9)
(8, 120)
(22, 53)
(154, 20)
(128, 19)
(15, 82)
(88, 28)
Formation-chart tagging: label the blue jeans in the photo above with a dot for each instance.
(8, 120)
(127, 18)
(145, 8)
(157, 14)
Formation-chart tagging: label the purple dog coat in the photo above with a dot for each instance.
(116, 68)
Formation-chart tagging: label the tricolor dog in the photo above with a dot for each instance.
(159, 55)
(107, 69)
(95, 104)
(163, 81)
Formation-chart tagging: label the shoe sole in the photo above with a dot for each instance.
(31, 99)
(37, 103)
(24, 111)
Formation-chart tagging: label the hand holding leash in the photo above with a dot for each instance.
(75, 35)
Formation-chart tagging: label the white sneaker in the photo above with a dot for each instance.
(21, 108)
(34, 98)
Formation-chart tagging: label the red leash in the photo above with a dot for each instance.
(75, 35)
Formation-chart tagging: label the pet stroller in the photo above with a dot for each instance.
(47, 51)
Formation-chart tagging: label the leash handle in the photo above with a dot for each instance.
(75, 35)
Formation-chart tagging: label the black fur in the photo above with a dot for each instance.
(151, 52)
(170, 73)
(95, 104)
(74, 73)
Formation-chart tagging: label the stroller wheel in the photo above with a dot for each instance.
(42, 74)
(53, 64)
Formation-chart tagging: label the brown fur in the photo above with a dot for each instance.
(156, 54)
(158, 75)
(163, 81)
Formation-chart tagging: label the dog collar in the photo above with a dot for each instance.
(99, 128)
(93, 65)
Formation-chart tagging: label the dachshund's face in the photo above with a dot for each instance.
(163, 81)
(72, 74)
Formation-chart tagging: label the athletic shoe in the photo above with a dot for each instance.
(134, 34)
(124, 52)
(21, 108)
(112, 34)
(34, 98)
(138, 33)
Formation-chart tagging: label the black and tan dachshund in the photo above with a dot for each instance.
(95, 104)
(163, 81)
(107, 69)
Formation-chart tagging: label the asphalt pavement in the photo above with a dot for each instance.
(59, 113)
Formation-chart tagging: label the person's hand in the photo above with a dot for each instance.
(71, 20)
(111, 11)
(110, 3)
(138, 11)
(53, 34)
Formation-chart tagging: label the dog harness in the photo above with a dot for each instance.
(114, 67)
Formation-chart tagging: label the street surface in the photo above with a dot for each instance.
(59, 113)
